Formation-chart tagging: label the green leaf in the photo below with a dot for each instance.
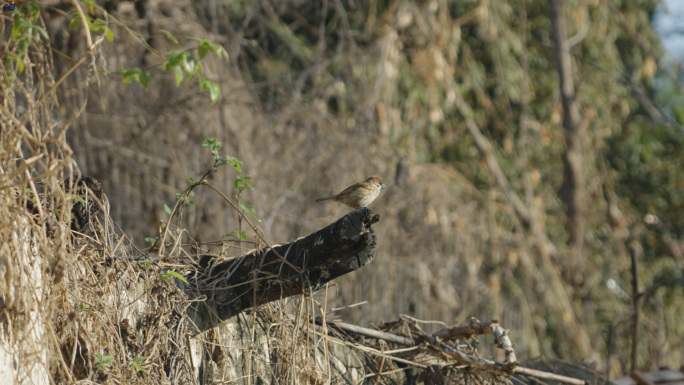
(141, 76)
(167, 209)
(214, 91)
(138, 367)
(221, 52)
(78, 199)
(151, 240)
(139, 359)
(98, 25)
(212, 143)
(34, 10)
(175, 58)
(241, 235)
(109, 35)
(86, 308)
(179, 75)
(14, 58)
(20, 63)
(74, 23)
(91, 5)
(240, 182)
(144, 79)
(191, 180)
(202, 50)
(173, 274)
(189, 64)
(169, 36)
(234, 162)
(249, 210)
(103, 362)
(205, 46)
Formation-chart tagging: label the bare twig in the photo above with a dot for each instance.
(634, 255)
(389, 337)
(548, 376)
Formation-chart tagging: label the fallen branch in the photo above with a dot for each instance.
(439, 345)
(298, 267)
(433, 343)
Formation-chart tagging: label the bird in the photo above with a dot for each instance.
(360, 194)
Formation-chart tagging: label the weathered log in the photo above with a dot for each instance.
(298, 267)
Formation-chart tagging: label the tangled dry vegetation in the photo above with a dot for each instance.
(314, 97)
(69, 299)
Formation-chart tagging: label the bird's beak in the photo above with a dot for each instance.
(382, 185)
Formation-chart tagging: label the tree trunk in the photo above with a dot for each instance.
(571, 192)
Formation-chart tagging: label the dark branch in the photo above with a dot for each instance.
(298, 267)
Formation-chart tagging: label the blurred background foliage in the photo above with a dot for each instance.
(318, 95)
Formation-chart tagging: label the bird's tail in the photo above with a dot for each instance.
(326, 198)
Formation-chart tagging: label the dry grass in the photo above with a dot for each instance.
(311, 105)
(71, 299)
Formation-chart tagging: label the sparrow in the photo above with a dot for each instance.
(360, 194)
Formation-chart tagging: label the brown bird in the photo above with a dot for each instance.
(360, 194)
